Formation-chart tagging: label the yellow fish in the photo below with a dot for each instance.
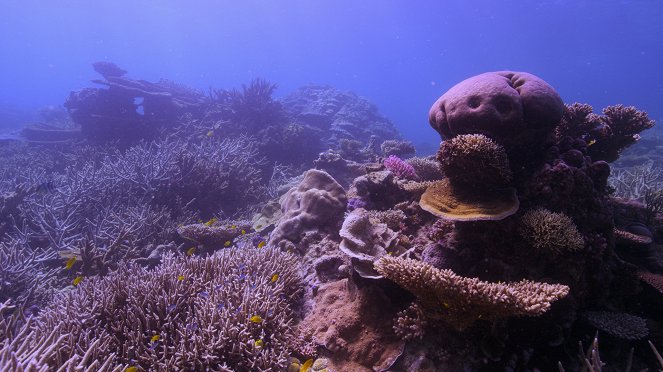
(211, 221)
(190, 251)
(591, 142)
(70, 263)
(180, 278)
(306, 366)
(77, 280)
(261, 244)
(256, 319)
(131, 369)
(243, 232)
(155, 338)
(259, 343)
(228, 243)
(210, 133)
(445, 305)
(275, 277)
(233, 227)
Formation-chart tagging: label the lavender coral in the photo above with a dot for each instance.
(460, 301)
(229, 311)
(400, 168)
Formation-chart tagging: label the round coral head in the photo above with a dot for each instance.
(513, 108)
(460, 204)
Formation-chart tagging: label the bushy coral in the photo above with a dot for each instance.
(208, 313)
(474, 159)
(402, 149)
(426, 168)
(460, 301)
(551, 232)
(400, 168)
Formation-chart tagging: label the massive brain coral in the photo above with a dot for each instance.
(507, 106)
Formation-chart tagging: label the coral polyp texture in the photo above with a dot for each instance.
(551, 232)
(460, 301)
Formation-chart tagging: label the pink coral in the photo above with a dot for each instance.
(400, 168)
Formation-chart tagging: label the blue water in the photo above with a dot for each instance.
(399, 54)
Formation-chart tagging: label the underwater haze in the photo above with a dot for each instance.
(401, 55)
(331, 185)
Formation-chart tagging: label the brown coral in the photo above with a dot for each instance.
(460, 301)
(474, 160)
(453, 203)
(550, 232)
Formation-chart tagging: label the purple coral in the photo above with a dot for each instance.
(355, 203)
(399, 167)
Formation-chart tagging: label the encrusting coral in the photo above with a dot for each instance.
(460, 301)
(230, 311)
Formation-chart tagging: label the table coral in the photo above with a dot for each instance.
(460, 301)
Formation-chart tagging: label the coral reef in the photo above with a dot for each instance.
(356, 337)
(316, 201)
(551, 232)
(460, 301)
(188, 313)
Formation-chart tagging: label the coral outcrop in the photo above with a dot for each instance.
(316, 201)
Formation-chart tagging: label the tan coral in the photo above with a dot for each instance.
(317, 202)
(354, 335)
(365, 242)
(551, 232)
(444, 200)
(460, 301)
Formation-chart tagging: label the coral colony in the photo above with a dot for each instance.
(158, 228)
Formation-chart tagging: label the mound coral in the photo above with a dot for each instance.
(460, 301)
(516, 109)
(551, 232)
(316, 201)
(229, 311)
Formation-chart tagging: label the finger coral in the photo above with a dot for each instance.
(460, 301)
(189, 313)
(551, 232)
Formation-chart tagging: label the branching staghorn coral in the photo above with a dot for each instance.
(635, 182)
(460, 301)
(230, 311)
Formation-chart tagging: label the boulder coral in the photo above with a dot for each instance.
(311, 205)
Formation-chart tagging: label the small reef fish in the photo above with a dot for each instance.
(275, 277)
(591, 142)
(131, 369)
(306, 366)
(77, 280)
(256, 319)
(180, 278)
(155, 338)
(243, 232)
(227, 244)
(258, 343)
(191, 251)
(261, 244)
(203, 294)
(210, 133)
(233, 227)
(70, 263)
(211, 221)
